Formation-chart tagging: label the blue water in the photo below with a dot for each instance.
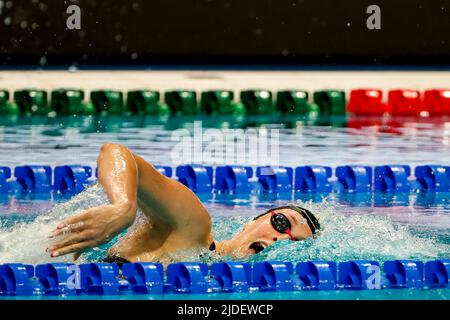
(304, 140)
(385, 294)
(378, 227)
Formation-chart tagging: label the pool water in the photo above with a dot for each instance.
(332, 141)
(385, 294)
(349, 232)
(355, 226)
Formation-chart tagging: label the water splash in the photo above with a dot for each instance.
(26, 241)
(347, 237)
(343, 237)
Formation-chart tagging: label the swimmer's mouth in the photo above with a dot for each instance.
(258, 246)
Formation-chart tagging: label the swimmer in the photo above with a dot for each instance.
(177, 220)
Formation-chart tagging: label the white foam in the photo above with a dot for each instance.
(350, 237)
(343, 237)
(25, 242)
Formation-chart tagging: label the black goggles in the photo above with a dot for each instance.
(313, 223)
(281, 224)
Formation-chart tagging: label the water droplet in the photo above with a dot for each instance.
(43, 7)
(43, 61)
(73, 68)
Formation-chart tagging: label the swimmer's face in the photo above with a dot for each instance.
(261, 233)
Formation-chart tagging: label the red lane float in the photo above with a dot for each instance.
(437, 101)
(405, 102)
(367, 102)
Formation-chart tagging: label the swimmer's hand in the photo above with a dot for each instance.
(90, 229)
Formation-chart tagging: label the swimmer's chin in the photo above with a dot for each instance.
(244, 251)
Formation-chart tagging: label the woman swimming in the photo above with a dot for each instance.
(177, 220)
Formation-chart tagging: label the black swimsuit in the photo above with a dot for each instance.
(121, 261)
(115, 259)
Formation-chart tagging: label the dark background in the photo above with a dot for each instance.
(225, 33)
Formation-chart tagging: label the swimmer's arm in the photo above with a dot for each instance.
(117, 172)
(126, 178)
(174, 204)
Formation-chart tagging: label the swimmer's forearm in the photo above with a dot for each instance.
(117, 172)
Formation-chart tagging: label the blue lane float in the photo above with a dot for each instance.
(317, 275)
(5, 175)
(404, 273)
(392, 178)
(16, 279)
(437, 273)
(239, 180)
(56, 279)
(313, 179)
(144, 277)
(36, 179)
(71, 179)
(275, 179)
(232, 276)
(198, 178)
(99, 278)
(233, 179)
(355, 275)
(433, 178)
(187, 277)
(273, 276)
(354, 178)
